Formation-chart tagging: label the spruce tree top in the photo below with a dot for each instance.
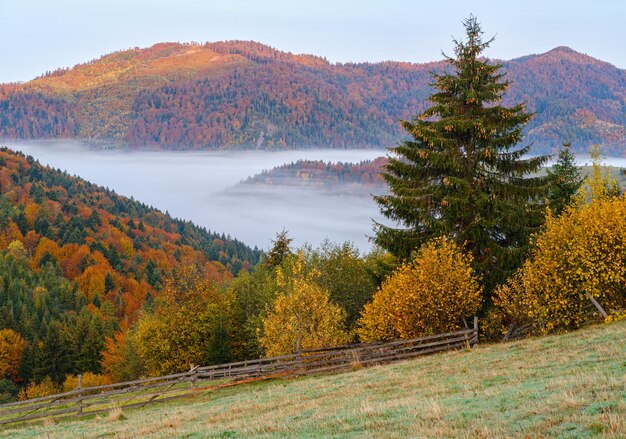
(565, 180)
(462, 174)
(280, 250)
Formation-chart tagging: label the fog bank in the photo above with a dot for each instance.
(198, 186)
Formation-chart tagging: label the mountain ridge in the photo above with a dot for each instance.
(247, 94)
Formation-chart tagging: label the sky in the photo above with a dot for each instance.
(41, 35)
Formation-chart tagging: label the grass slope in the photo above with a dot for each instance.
(571, 385)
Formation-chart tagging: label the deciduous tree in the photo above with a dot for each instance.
(302, 318)
(431, 294)
(11, 347)
(581, 252)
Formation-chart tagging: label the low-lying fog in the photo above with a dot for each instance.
(192, 185)
(199, 186)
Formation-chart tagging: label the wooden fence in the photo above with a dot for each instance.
(518, 330)
(90, 401)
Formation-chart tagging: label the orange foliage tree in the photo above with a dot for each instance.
(11, 347)
(120, 360)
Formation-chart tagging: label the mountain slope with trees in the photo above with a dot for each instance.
(361, 178)
(78, 263)
(245, 94)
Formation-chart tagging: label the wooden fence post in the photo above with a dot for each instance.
(476, 328)
(596, 304)
(509, 332)
(193, 370)
(79, 398)
(299, 363)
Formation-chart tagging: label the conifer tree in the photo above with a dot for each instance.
(280, 250)
(565, 180)
(462, 174)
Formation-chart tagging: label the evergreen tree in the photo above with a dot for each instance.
(88, 342)
(114, 258)
(148, 305)
(54, 358)
(153, 275)
(462, 174)
(280, 250)
(21, 222)
(109, 283)
(219, 344)
(565, 180)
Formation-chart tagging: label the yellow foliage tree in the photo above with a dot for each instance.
(427, 296)
(600, 185)
(38, 390)
(303, 317)
(580, 253)
(90, 379)
(188, 320)
(11, 347)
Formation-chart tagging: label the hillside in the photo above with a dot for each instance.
(566, 386)
(78, 262)
(236, 93)
(363, 177)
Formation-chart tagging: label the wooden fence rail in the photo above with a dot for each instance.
(89, 401)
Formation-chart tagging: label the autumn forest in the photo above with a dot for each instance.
(478, 220)
(245, 94)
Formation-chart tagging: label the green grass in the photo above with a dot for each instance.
(568, 386)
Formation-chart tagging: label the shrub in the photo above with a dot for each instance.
(582, 251)
(429, 295)
(89, 380)
(8, 391)
(38, 390)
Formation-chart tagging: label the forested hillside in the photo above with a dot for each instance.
(358, 177)
(228, 94)
(78, 262)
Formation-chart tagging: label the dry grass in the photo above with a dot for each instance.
(567, 386)
(115, 414)
(48, 422)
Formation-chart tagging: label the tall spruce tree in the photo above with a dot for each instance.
(565, 180)
(462, 174)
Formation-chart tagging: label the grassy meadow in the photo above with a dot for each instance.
(568, 386)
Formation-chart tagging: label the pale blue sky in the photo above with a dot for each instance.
(40, 35)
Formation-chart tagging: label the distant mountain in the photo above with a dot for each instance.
(236, 93)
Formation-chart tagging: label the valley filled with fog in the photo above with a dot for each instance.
(202, 187)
